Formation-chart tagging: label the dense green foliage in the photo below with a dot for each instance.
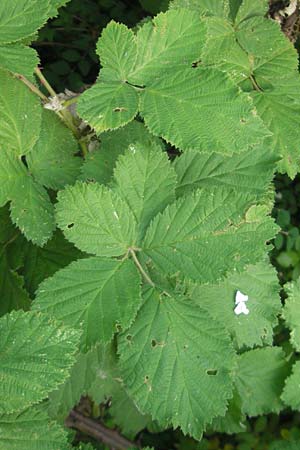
(135, 227)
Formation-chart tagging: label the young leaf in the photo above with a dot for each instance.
(260, 284)
(21, 18)
(145, 180)
(36, 356)
(205, 236)
(176, 361)
(260, 379)
(291, 312)
(99, 165)
(203, 7)
(52, 161)
(223, 119)
(250, 172)
(20, 110)
(291, 391)
(109, 225)
(31, 429)
(96, 295)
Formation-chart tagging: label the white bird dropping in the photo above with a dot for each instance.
(240, 302)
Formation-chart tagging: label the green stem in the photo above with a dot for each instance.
(44, 82)
(254, 84)
(140, 267)
(31, 86)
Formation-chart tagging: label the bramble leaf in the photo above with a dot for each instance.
(208, 234)
(31, 429)
(19, 59)
(145, 180)
(109, 225)
(291, 391)
(260, 379)
(97, 295)
(203, 7)
(173, 359)
(36, 356)
(291, 312)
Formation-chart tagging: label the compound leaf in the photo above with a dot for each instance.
(52, 160)
(19, 59)
(95, 294)
(20, 112)
(260, 379)
(31, 429)
(261, 285)
(36, 356)
(206, 235)
(223, 118)
(251, 8)
(291, 312)
(176, 361)
(109, 225)
(145, 180)
(203, 7)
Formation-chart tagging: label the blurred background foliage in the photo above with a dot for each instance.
(66, 46)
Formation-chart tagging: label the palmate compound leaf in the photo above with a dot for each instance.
(260, 377)
(52, 160)
(250, 172)
(145, 180)
(31, 429)
(96, 220)
(31, 208)
(20, 112)
(36, 356)
(175, 361)
(291, 312)
(170, 91)
(259, 282)
(206, 235)
(99, 164)
(21, 18)
(291, 392)
(96, 295)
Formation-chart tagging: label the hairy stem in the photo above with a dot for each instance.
(98, 431)
(140, 267)
(31, 86)
(44, 82)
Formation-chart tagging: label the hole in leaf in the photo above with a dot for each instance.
(242, 120)
(211, 372)
(153, 343)
(185, 347)
(146, 379)
(71, 225)
(118, 328)
(120, 109)
(129, 337)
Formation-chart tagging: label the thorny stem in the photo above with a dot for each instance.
(140, 267)
(31, 86)
(98, 431)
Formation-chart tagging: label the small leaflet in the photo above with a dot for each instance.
(240, 302)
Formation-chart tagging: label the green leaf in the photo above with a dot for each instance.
(99, 165)
(43, 262)
(260, 379)
(145, 180)
(36, 356)
(55, 5)
(52, 160)
(109, 225)
(279, 107)
(291, 312)
(31, 429)
(250, 172)
(108, 105)
(19, 59)
(252, 8)
(206, 235)
(31, 208)
(82, 376)
(261, 285)
(223, 119)
(97, 295)
(173, 359)
(171, 42)
(117, 49)
(203, 7)
(21, 18)
(234, 420)
(285, 445)
(291, 392)
(20, 110)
